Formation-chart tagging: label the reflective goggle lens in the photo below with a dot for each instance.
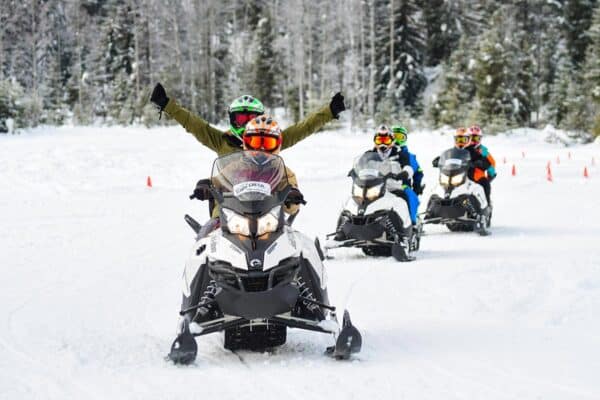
(400, 137)
(461, 139)
(475, 139)
(267, 143)
(242, 119)
(383, 139)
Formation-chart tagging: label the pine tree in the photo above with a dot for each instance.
(265, 65)
(456, 99)
(446, 22)
(592, 73)
(578, 17)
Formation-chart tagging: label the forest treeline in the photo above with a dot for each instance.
(501, 64)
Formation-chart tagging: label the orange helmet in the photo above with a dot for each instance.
(476, 134)
(262, 133)
(462, 138)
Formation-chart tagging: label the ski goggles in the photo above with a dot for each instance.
(242, 118)
(262, 142)
(475, 139)
(383, 139)
(400, 137)
(462, 139)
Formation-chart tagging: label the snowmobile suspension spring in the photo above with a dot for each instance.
(307, 293)
(209, 292)
(389, 227)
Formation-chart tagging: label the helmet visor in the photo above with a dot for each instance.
(260, 142)
(242, 118)
(383, 139)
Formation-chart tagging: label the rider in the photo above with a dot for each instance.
(400, 138)
(242, 110)
(485, 170)
(262, 134)
(400, 184)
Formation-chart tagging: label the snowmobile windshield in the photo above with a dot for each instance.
(370, 167)
(454, 160)
(249, 175)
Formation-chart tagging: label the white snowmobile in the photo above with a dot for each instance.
(255, 276)
(376, 218)
(459, 203)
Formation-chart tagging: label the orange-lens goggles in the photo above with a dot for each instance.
(462, 139)
(383, 139)
(258, 142)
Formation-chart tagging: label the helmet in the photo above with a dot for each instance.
(400, 135)
(383, 139)
(462, 138)
(242, 110)
(262, 133)
(476, 134)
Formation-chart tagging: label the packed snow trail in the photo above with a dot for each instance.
(92, 261)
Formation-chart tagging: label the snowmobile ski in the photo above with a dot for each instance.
(184, 348)
(348, 342)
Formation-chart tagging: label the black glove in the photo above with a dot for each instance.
(294, 197)
(491, 178)
(418, 189)
(481, 164)
(202, 191)
(402, 176)
(436, 162)
(159, 97)
(337, 105)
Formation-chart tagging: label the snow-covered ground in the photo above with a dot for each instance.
(92, 259)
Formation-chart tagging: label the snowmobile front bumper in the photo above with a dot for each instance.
(369, 231)
(443, 211)
(251, 305)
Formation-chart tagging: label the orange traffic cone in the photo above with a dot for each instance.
(585, 173)
(549, 173)
(514, 170)
(149, 181)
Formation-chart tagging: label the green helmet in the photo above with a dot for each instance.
(241, 111)
(400, 135)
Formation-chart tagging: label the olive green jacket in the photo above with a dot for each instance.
(225, 142)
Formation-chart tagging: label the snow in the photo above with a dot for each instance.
(92, 263)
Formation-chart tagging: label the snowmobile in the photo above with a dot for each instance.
(255, 276)
(459, 203)
(375, 219)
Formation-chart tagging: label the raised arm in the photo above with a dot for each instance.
(206, 134)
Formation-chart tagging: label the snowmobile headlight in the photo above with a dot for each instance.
(444, 179)
(373, 192)
(457, 179)
(268, 223)
(236, 223)
(357, 191)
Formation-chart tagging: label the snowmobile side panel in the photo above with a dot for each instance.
(252, 305)
(196, 258)
(311, 254)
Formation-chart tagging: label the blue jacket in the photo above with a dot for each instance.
(418, 172)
